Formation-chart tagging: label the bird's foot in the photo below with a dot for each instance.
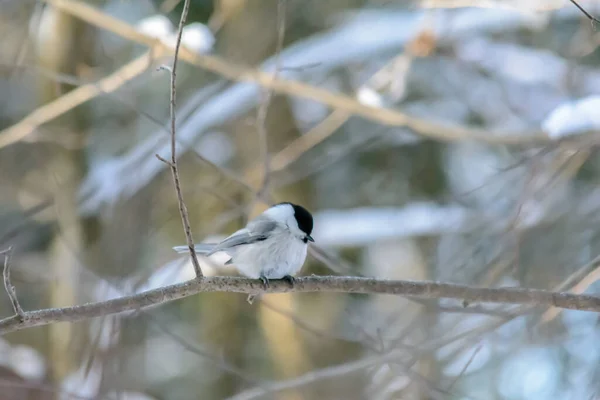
(289, 279)
(265, 281)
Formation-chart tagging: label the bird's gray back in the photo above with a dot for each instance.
(257, 230)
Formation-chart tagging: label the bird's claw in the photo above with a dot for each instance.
(265, 281)
(290, 279)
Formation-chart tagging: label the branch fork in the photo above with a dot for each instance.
(10, 289)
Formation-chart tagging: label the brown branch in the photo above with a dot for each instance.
(386, 116)
(10, 289)
(72, 99)
(173, 163)
(333, 284)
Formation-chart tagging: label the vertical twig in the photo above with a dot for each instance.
(173, 163)
(261, 117)
(10, 289)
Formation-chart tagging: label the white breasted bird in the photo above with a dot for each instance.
(271, 246)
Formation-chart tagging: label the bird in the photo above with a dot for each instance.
(271, 246)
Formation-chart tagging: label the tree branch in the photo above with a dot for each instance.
(421, 289)
(592, 19)
(74, 98)
(173, 163)
(318, 375)
(427, 128)
(10, 289)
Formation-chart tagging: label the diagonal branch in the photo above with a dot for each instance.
(332, 284)
(592, 19)
(74, 98)
(10, 289)
(386, 116)
(319, 375)
(173, 163)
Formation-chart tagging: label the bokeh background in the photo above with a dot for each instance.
(433, 139)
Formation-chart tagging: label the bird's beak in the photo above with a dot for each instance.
(310, 238)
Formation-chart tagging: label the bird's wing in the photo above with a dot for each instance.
(256, 231)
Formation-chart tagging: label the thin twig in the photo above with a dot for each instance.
(261, 118)
(299, 146)
(10, 289)
(72, 99)
(173, 163)
(318, 375)
(579, 282)
(477, 333)
(14, 230)
(305, 325)
(169, 163)
(465, 367)
(332, 284)
(592, 19)
(216, 359)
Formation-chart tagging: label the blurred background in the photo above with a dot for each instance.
(432, 139)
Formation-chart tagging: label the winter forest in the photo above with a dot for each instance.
(445, 148)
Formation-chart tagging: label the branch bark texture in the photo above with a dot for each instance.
(420, 289)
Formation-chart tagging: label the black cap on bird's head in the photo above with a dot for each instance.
(303, 218)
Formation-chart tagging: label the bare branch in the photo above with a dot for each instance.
(10, 289)
(466, 366)
(14, 230)
(318, 375)
(261, 117)
(173, 163)
(74, 98)
(391, 117)
(169, 163)
(592, 19)
(216, 359)
(334, 284)
(579, 281)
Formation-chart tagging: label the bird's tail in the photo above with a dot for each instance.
(202, 248)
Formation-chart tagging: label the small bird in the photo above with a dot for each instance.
(271, 246)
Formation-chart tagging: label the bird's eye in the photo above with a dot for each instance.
(305, 239)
